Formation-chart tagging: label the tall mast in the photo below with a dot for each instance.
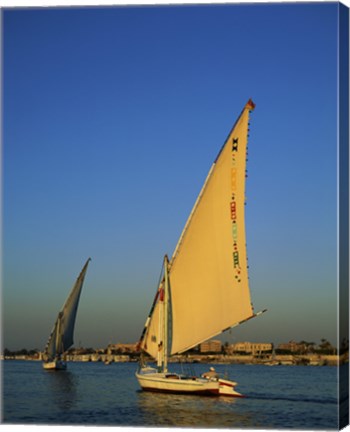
(58, 336)
(162, 355)
(160, 352)
(166, 313)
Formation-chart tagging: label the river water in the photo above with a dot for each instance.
(277, 397)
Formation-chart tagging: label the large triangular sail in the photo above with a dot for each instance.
(61, 337)
(209, 289)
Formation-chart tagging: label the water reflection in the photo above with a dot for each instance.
(63, 388)
(190, 411)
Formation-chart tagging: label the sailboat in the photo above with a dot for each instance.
(204, 289)
(61, 337)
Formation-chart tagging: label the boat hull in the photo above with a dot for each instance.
(55, 365)
(179, 384)
(172, 383)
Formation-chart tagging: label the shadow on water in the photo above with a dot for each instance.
(62, 388)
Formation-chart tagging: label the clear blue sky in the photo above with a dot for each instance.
(111, 120)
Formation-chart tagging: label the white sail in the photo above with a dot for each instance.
(61, 338)
(209, 289)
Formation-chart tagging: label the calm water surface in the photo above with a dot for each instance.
(95, 394)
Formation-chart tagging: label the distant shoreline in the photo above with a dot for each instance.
(273, 360)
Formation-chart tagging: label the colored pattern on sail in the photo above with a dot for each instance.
(233, 207)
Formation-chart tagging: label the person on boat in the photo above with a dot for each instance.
(211, 374)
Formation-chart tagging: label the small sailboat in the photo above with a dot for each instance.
(204, 289)
(61, 337)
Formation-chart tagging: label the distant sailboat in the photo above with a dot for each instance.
(204, 290)
(61, 338)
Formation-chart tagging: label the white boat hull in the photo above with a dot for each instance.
(173, 383)
(55, 365)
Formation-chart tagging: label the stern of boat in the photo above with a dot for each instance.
(227, 388)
